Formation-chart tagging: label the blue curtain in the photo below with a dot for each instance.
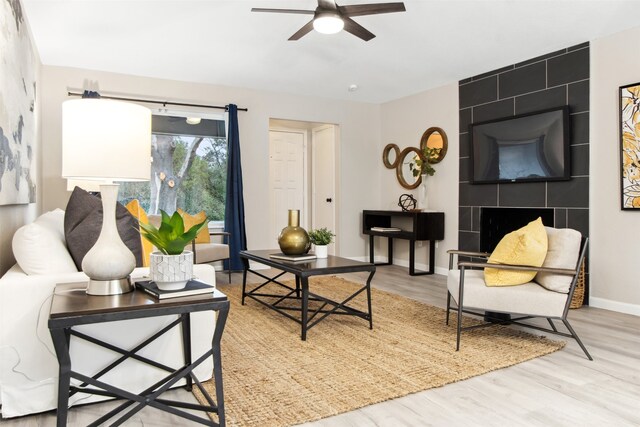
(234, 209)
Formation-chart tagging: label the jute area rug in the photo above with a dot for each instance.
(272, 378)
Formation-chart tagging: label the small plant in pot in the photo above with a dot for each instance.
(171, 266)
(321, 237)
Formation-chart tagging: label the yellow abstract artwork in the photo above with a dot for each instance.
(630, 145)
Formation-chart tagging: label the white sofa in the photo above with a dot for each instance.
(28, 365)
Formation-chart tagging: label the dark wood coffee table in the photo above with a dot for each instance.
(302, 271)
(71, 307)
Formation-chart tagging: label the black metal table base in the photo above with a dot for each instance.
(149, 397)
(308, 317)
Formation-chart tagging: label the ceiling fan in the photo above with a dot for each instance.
(329, 18)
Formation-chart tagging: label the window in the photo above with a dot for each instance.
(188, 171)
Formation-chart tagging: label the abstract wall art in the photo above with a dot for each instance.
(630, 145)
(17, 107)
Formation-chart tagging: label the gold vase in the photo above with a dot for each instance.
(293, 239)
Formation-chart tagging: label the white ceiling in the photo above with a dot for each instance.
(434, 42)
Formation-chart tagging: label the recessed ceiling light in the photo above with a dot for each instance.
(193, 120)
(353, 88)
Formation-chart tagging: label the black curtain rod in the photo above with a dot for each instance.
(163, 103)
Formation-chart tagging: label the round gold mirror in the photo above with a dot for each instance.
(403, 173)
(435, 137)
(385, 156)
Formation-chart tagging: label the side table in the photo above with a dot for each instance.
(72, 307)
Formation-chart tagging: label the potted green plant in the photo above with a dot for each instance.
(321, 237)
(171, 266)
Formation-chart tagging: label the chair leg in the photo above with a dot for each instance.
(552, 325)
(459, 328)
(460, 296)
(448, 307)
(575, 337)
(229, 272)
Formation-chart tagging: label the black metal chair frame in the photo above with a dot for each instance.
(463, 265)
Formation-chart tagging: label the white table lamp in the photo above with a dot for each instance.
(106, 141)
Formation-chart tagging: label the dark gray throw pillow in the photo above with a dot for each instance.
(83, 222)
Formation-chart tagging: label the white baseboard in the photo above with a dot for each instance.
(621, 307)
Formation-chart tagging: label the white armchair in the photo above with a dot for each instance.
(547, 296)
(204, 253)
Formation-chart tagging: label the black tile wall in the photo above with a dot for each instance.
(493, 110)
(522, 194)
(579, 220)
(464, 218)
(491, 73)
(580, 128)
(478, 195)
(478, 92)
(579, 96)
(475, 219)
(568, 68)
(541, 100)
(569, 194)
(465, 120)
(560, 218)
(523, 80)
(465, 148)
(541, 58)
(556, 79)
(469, 241)
(580, 160)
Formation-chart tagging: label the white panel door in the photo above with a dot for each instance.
(323, 157)
(286, 178)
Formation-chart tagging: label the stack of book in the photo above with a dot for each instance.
(293, 258)
(386, 229)
(193, 287)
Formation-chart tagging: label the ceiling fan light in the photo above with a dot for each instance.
(328, 24)
(193, 120)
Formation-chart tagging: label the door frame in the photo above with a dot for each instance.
(314, 168)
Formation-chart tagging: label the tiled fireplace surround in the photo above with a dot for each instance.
(552, 80)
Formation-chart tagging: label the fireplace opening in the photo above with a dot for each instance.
(496, 222)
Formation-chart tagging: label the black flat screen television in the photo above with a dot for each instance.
(524, 148)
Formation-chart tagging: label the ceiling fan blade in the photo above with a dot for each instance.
(302, 12)
(371, 9)
(302, 31)
(357, 30)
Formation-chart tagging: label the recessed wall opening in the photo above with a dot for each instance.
(495, 223)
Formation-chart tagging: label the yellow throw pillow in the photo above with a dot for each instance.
(191, 220)
(136, 210)
(525, 246)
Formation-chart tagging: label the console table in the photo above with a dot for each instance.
(71, 307)
(424, 226)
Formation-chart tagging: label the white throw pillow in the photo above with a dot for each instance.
(39, 247)
(54, 221)
(563, 252)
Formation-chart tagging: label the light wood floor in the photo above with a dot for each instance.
(561, 389)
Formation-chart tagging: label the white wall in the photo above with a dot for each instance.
(359, 141)
(614, 233)
(403, 123)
